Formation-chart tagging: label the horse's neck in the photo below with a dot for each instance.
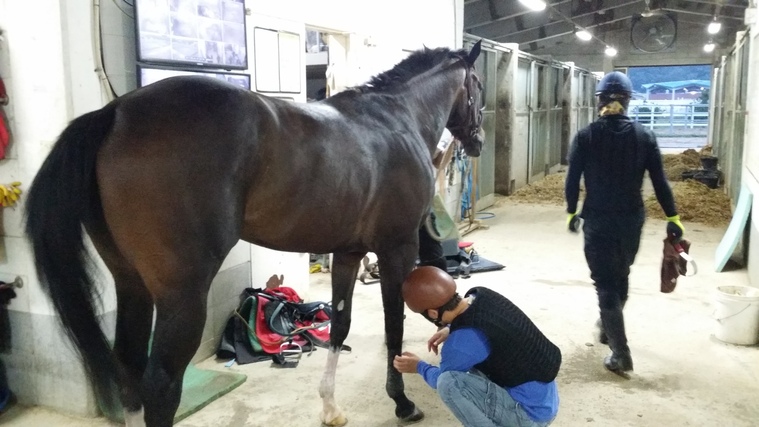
(432, 100)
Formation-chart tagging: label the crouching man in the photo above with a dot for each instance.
(496, 367)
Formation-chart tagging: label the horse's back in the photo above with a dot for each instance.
(227, 161)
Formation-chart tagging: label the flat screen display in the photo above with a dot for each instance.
(208, 33)
(150, 75)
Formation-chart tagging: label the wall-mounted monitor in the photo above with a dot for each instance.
(149, 74)
(204, 33)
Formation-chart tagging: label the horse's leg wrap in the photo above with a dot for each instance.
(332, 415)
(344, 270)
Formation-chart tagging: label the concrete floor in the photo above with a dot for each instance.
(683, 375)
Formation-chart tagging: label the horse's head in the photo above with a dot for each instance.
(465, 120)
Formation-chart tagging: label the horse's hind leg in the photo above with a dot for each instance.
(133, 325)
(134, 321)
(180, 316)
(344, 271)
(394, 265)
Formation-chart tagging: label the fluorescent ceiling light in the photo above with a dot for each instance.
(610, 51)
(714, 27)
(536, 5)
(583, 35)
(709, 47)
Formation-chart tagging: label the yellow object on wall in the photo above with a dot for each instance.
(10, 193)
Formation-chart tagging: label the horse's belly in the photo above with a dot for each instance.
(312, 233)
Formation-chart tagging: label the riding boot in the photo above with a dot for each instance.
(602, 338)
(620, 360)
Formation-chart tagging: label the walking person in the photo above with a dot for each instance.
(612, 154)
(496, 367)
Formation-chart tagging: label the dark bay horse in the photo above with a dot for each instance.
(166, 179)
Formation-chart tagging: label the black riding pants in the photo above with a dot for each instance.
(611, 244)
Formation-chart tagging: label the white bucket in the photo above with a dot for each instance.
(736, 310)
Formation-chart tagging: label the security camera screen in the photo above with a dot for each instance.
(150, 75)
(200, 32)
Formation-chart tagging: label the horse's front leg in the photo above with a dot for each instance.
(394, 266)
(344, 271)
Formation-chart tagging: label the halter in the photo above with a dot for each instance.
(472, 127)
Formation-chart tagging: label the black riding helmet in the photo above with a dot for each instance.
(614, 82)
(614, 86)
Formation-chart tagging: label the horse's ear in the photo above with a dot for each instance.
(426, 49)
(474, 53)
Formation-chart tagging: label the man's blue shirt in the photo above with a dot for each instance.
(467, 347)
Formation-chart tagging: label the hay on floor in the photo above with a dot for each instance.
(695, 203)
(676, 164)
(549, 190)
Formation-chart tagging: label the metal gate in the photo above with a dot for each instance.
(729, 109)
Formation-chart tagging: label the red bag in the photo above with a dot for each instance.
(270, 341)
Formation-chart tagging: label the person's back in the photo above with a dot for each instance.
(519, 351)
(615, 153)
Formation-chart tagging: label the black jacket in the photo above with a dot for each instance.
(613, 154)
(519, 352)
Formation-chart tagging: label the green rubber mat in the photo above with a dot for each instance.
(199, 388)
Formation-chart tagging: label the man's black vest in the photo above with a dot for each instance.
(519, 352)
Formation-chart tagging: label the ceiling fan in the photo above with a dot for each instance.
(653, 30)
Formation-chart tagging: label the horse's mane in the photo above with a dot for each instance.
(418, 62)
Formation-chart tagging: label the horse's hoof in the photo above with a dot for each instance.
(415, 416)
(338, 421)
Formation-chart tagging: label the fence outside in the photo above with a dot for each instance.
(673, 116)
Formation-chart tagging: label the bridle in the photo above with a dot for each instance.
(472, 126)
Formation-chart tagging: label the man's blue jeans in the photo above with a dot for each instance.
(479, 402)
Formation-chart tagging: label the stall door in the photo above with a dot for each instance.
(521, 143)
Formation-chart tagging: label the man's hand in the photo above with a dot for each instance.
(437, 339)
(406, 363)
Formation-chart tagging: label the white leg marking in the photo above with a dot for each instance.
(341, 305)
(331, 415)
(135, 419)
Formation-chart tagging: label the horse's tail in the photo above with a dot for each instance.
(63, 197)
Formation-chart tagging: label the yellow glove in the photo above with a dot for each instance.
(573, 222)
(675, 228)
